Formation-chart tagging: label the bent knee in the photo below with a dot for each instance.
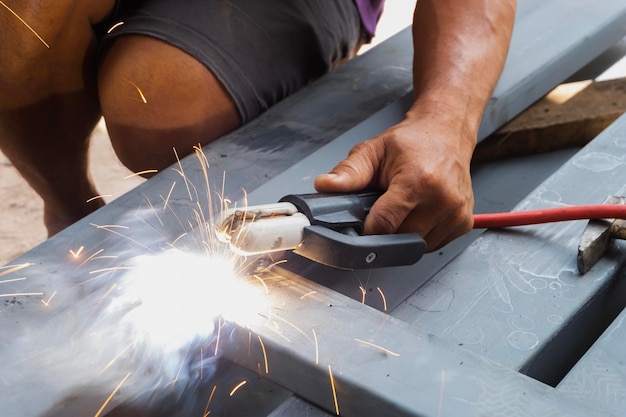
(156, 98)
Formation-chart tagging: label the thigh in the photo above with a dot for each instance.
(47, 47)
(260, 51)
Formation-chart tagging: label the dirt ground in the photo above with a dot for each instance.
(21, 224)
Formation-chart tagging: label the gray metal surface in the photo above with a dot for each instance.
(491, 183)
(515, 296)
(552, 40)
(380, 366)
(55, 344)
(599, 378)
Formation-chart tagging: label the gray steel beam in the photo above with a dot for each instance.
(380, 365)
(62, 288)
(600, 376)
(515, 296)
(551, 41)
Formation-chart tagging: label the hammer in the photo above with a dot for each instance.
(605, 224)
(598, 235)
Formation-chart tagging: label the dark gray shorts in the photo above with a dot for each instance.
(261, 50)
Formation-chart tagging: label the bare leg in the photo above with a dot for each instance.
(155, 97)
(48, 101)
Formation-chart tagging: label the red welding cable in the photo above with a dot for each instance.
(549, 215)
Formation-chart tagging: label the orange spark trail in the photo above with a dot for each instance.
(219, 333)
(239, 385)
(143, 98)
(332, 386)
(307, 294)
(25, 24)
(383, 297)
(98, 197)
(47, 303)
(77, 253)
(140, 173)
(180, 368)
(109, 228)
(299, 330)
(363, 293)
(267, 367)
(17, 294)
(110, 397)
(92, 257)
(6, 281)
(115, 26)
(378, 347)
(208, 403)
(317, 348)
(14, 268)
(169, 194)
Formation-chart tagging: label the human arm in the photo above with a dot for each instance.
(423, 162)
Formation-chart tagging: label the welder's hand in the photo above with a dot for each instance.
(423, 163)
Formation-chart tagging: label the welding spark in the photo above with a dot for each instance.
(180, 368)
(6, 281)
(378, 347)
(141, 173)
(299, 330)
(143, 98)
(91, 257)
(308, 294)
(77, 253)
(169, 194)
(382, 295)
(110, 397)
(111, 269)
(219, 335)
(13, 268)
(203, 290)
(98, 197)
(317, 349)
(109, 228)
(208, 403)
(363, 293)
(119, 355)
(115, 26)
(20, 294)
(332, 386)
(267, 367)
(239, 385)
(25, 24)
(47, 303)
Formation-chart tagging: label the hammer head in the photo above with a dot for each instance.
(598, 236)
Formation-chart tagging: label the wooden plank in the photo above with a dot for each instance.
(571, 115)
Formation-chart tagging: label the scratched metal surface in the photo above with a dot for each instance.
(600, 376)
(515, 295)
(51, 361)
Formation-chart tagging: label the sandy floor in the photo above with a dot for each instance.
(21, 225)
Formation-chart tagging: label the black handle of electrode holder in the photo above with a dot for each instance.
(352, 251)
(335, 235)
(335, 211)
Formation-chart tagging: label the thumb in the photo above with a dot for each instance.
(354, 173)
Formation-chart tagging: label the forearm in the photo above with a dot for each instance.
(460, 49)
